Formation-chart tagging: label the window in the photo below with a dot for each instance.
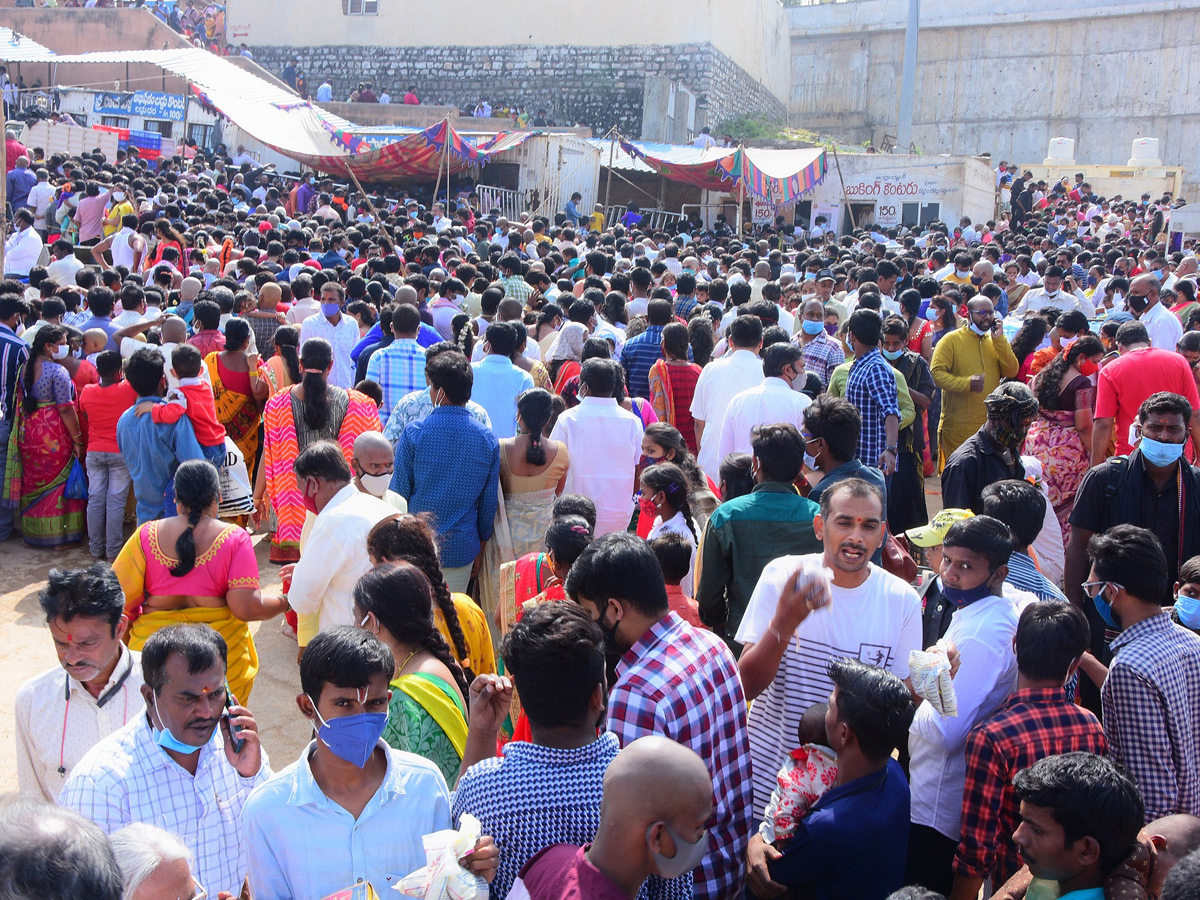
(202, 135)
(114, 121)
(159, 126)
(360, 7)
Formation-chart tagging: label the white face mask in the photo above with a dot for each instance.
(118, 196)
(376, 484)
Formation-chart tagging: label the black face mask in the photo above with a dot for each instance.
(612, 652)
(1138, 304)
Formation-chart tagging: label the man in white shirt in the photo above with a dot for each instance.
(605, 444)
(23, 249)
(96, 688)
(1161, 324)
(440, 220)
(243, 157)
(334, 555)
(498, 382)
(348, 789)
(325, 92)
(177, 764)
(722, 380)
(1051, 294)
(975, 555)
(305, 304)
(795, 624)
(39, 199)
(704, 140)
(65, 264)
(771, 402)
(341, 331)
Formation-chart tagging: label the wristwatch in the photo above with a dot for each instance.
(886, 449)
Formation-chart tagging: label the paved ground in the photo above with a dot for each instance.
(25, 648)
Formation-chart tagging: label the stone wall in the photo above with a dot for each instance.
(595, 86)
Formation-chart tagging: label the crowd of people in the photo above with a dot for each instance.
(606, 546)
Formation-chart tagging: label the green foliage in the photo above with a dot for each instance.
(749, 128)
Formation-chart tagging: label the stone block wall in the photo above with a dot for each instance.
(594, 86)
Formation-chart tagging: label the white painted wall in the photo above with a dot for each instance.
(753, 33)
(1006, 78)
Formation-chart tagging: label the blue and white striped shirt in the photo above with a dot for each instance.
(13, 354)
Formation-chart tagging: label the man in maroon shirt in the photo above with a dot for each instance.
(657, 799)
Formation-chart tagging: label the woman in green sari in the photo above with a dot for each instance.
(427, 714)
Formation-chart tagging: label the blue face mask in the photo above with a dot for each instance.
(1158, 453)
(892, 354)
(164, 738)
(353, 738)
(960, 597)
(810, 276)
(1188, 610)
(1160, 274)
(329, 310)
(811, 327)
(1105, 609)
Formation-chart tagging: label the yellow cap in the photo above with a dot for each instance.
(935, 532)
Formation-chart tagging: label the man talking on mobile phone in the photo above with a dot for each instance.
(1058, 290)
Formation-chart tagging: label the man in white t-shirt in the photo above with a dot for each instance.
(793, 625)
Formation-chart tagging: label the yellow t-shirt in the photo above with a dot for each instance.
(112, 222)
(596, 221)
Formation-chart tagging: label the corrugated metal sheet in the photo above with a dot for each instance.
(675, 153)
(18, 48)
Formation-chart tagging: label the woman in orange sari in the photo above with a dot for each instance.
(239, 388)
(673, 383)
(313, 410)
(283, 369)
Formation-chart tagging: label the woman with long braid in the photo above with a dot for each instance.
(427, 713)
(410, 539)
(193, 567)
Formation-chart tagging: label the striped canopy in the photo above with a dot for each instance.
(780, 176)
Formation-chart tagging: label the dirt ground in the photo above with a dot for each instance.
(26, 649)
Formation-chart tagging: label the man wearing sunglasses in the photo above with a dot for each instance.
(1152, 690)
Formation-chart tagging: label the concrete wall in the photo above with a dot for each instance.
(596, 86)
(752, 33)
(1007, 82)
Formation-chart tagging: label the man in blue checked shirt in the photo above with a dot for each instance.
(399, 368)
(448, 464)
(351, 810)
(644, 350)
(871, 387)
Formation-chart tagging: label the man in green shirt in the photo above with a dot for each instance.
(746, 533)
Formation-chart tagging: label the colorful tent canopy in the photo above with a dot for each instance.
(417, 156)
(776, 175)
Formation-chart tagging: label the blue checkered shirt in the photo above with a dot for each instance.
(638, 355)
(684, 306)
(822, 355)
(1149, 702)
(416, 406)
(871, 387)
(399, 369)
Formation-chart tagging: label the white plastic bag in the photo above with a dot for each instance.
(442, 878)
(930, 671)
(237, 494)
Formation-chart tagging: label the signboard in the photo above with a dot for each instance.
(830, 211)
(887, 213)
(142, 104)
(762, 211)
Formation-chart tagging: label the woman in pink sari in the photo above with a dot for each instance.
(44, 445)
(1061, 435)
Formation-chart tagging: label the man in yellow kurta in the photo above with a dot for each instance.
(968, 364)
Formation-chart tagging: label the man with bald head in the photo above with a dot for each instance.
(189, 290)
(1161, 325)
(968, 364)
(372, 464)
(264, 320)
(653, 821)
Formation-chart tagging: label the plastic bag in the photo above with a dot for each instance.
(76, 487)
(237, 494)
(930, 671)
(442, 877)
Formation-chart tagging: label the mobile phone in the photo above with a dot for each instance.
(238, 743)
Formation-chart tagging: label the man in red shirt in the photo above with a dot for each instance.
(1036, 721)
(100, 406)
(1125, 383)
(657, 800)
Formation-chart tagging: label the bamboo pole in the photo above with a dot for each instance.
(849, 208)
(371, 206)
(3, 185)
(437, 184)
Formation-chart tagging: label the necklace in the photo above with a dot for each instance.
(406, 661)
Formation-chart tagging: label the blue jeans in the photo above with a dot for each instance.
(108, 488)
(6, 512)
